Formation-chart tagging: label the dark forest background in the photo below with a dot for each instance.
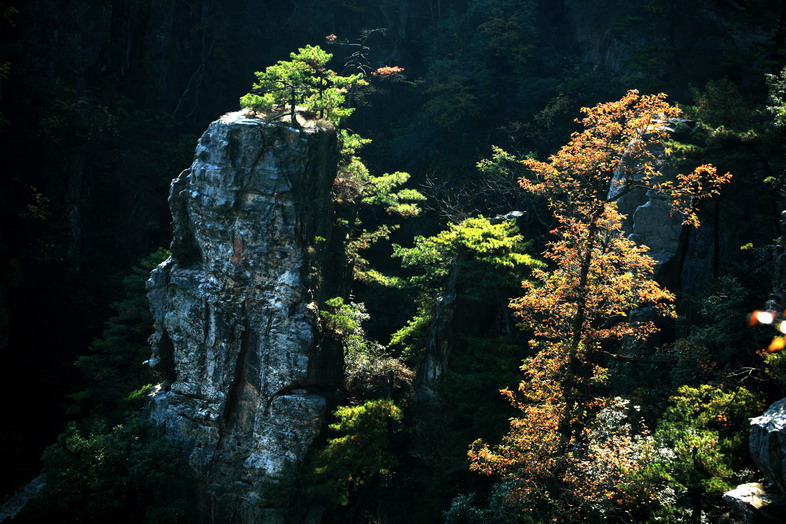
(102, 101)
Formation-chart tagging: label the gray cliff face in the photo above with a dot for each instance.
(678, 36)
(768, 443)
(432, 370)
(684, 255)
(649, 221)
(245, 384)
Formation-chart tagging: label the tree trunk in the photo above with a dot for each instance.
(575, 389)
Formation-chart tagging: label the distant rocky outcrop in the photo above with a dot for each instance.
(246, 383)
(691, 31)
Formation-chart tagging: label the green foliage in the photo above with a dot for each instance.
(465, 510)
(352, 174)
(776, 85)
(484, 62)
(356, 189)
(482, 254)
(709, 339)
(700, 442)
(775, 368)
(713, 409)
(114, 367)
(305, 81)
(362, 269)
(368, 367)
(354, 183)
(360, 456)
(413, 337)
(721, 104)
(343, 319)
(381, 191)
(126, 472)
(501, 163)
(351, 143)
(723, 112)
(474, 240)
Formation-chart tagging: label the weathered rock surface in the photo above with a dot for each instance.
(432, 370)
(648, 216)
(655, 225)
(683, 255)
(768, 443)
(17, 502)
(755, 502)
(236, 340)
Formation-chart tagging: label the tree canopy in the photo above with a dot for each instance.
(580, 309)
(305, 81)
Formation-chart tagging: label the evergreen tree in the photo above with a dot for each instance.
(306, 81)
(115, 377)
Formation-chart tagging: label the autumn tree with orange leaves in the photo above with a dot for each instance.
(579, 310)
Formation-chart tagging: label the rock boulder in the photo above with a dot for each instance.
(768, 443)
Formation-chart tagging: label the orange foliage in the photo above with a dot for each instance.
(578, 311)
(604, 273)
(616, 153)
(386, 71)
